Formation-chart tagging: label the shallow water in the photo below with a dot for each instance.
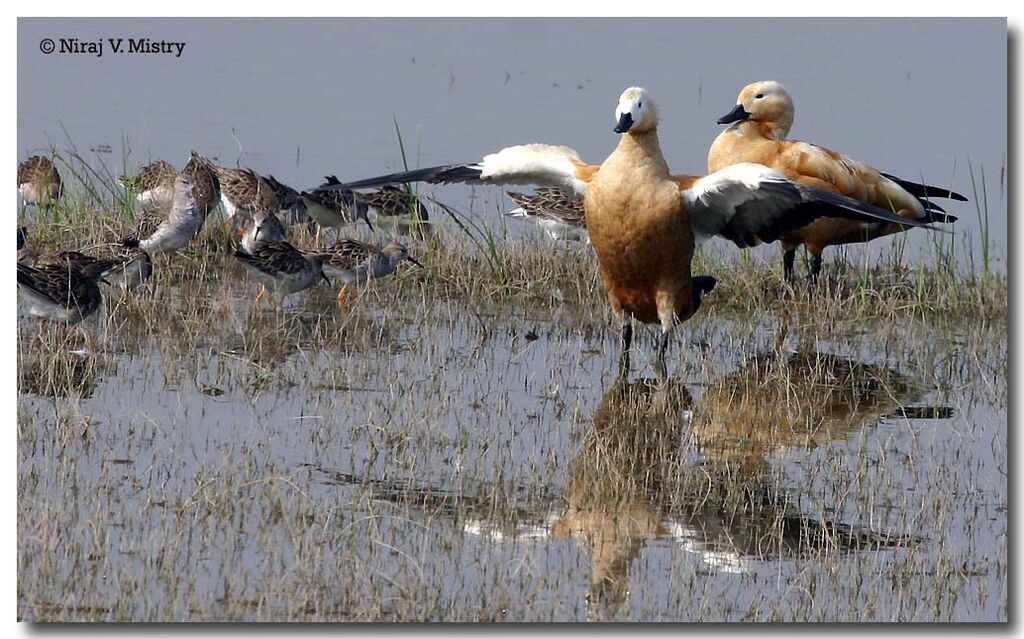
(420, 458)
(425, 469)
(301, 98)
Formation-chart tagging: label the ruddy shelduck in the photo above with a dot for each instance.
(758, 126)
(643, 221)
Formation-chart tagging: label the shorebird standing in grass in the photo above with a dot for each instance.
(157, 233)
(206, 187)
(353, 261)
(397, 205)
(263, 227)
(153, 185)
(291, 207)
(66, 292)
(243, 191)
(38, 182)
(282, 268)
(334, 208)
(558, 213)
(125, 270)
(644, 222)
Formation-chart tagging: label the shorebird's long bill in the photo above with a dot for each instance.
(367, 220)
(736, 115)
(326, 279)
(414, 261)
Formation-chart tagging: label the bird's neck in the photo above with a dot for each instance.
(643, 150)
(769, 130)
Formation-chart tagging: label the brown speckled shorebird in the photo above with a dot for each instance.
(153, 185)
(38, 182)
(354, 261)
(65, 291)
(292, 209)
(559, 214)
(205, 186)
(334, 208)
(245, 191)
(398, 205)
(263, 227)
(160, 233)
(758, 126)
(644, 222)
(282, 268)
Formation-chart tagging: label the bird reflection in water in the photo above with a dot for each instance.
(659, 464)
(635, 478)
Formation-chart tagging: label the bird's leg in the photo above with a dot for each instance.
(815, 267)
(259, 296)
(662, 345)
(660, 370)
(342, 296)
(667, 317)
(788, 257)
(627, 342)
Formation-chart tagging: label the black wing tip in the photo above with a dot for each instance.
(442, 174)
(862, 210)
(939, 217)
(918, 189)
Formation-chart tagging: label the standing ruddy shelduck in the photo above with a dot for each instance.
(38, 182)
(758, 127)
(643, 221)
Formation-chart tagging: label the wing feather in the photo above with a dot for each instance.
(526, 164)
(750, 203)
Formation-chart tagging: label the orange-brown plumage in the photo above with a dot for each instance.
(760, 123)
(640, 231)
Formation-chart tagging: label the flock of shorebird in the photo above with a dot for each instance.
(642, 221)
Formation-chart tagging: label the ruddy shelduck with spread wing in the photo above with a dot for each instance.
(758, 126)
(643, 221)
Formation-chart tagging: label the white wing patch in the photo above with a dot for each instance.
(712, 201)
(538, 164)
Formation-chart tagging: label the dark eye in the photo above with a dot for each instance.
(759, 96)
(639, 104)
